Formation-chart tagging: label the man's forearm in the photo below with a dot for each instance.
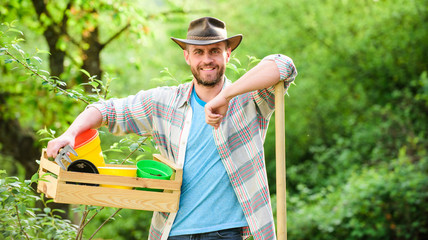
(264, 75)
(268, 72)
(90, 118)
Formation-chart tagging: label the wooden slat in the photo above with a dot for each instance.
(120, 198)
(179, 175)
(48, 186)
(42, 172)
(163, 159)
(119, 180)
(121, 166)
(51, 166)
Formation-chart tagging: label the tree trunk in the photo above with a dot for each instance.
(57, 56)
(20, 144)
(91, 57)
(52, 34)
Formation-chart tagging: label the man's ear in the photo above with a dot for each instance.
(228, 53)
(186, 56)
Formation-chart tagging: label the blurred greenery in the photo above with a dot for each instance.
(356, 120)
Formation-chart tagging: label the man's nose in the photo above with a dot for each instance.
(207, 58)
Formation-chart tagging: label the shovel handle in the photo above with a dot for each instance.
(281, 203)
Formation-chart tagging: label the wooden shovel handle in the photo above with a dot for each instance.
(281, 203)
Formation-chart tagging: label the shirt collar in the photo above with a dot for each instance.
(185, 94)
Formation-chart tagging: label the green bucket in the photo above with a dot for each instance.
(154, 170)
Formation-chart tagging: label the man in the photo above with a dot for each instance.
(211, 127)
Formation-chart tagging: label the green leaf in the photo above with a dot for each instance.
(90, 208)
(58, 210)
(94, 84)
(134, 146)
(61, 83)
(44, 71)
(85, 72)
(31, 213)
(9, 199)
(237, 60)
(112, 150)
(45, 139)
(147, 148)
(9, 61)
(15, 30)
(47, 210)
(16, 46)
(22, 208)
(43, 51)
(35, 177)
(38, 59)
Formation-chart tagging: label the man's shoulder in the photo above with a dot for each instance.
(171, 89)
(171, 94)
(185, 86)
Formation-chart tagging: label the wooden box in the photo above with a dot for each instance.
(53, 183)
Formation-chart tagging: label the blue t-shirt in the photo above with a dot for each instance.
(207, 202)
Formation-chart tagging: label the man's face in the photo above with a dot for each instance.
(207, 62)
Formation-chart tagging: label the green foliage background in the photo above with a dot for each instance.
(356, 120)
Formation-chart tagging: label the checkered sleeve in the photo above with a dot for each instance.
(265, 98)
(132, 114)
(286, 67)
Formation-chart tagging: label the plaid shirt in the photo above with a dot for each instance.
(165, 113)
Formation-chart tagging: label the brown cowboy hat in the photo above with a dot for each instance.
(208, 30)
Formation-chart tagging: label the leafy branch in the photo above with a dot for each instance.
(55, 84)
(19, 221)
(14, 53)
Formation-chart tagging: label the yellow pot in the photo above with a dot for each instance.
(88, 147)
(124, 170)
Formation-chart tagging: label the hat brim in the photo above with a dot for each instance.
(234, 41)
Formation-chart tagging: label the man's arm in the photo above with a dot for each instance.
(90, 118)
(266, 74)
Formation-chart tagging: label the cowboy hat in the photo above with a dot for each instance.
(208, 30)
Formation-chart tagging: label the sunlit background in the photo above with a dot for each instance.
(356, 118)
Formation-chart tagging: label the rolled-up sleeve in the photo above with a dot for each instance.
(286, 67)
(265, 98)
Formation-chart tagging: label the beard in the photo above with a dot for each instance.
(208, 80)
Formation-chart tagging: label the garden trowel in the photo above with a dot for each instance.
(63, 154)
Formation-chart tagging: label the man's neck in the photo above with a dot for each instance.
(206, 93)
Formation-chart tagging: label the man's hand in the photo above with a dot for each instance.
(215, 110)
(56, 144)
(90, 118)
(264, 75)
